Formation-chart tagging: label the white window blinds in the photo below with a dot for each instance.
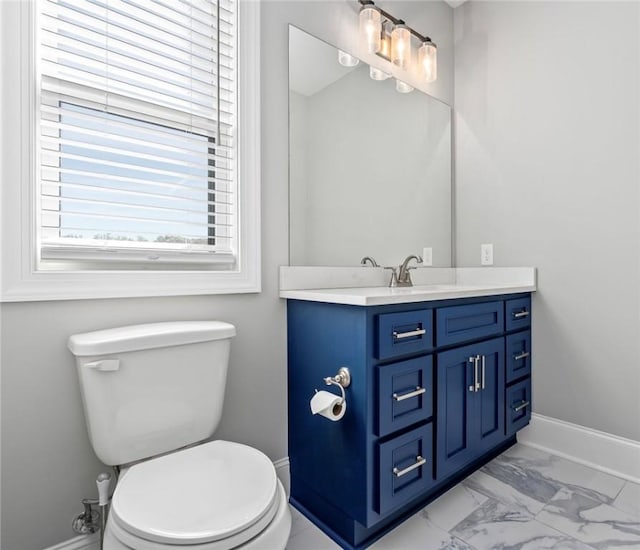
(137, 116)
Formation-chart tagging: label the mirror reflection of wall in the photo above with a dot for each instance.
(370, 168)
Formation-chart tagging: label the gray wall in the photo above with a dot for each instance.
(547, 151)
(47, 463)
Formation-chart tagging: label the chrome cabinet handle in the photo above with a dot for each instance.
(417, 464)
(478, 382)
(521, 406)
(474, 386)
(401, 335)
(522, 355)
(415, 393)
(520, 314)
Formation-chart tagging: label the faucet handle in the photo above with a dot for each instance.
(394, 277)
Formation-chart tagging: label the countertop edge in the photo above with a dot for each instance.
(330, 296)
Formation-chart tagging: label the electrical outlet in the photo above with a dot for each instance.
(486, 254)
(427, 255)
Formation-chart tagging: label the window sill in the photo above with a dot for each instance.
(100, 285)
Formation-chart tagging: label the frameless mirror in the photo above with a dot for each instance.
(369, 167)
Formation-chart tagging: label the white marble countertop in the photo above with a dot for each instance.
(458, 283)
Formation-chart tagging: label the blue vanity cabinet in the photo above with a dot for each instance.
(431, 399)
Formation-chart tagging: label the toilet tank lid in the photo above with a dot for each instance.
(148, 336)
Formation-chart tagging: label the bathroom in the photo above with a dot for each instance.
(546, 140)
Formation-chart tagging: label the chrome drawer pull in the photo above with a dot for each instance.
(522, 355)
(401, 335)
(417, 464)
(521, 406)
(415, 393)
(521, 314)
(483, 369)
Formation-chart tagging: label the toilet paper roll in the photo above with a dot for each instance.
(329, 405)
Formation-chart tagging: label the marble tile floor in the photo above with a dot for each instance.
(524, 499)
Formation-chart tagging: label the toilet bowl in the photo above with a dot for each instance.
(215, 496)
(151, 395)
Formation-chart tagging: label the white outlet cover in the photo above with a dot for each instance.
(427, 256)
(486, 254)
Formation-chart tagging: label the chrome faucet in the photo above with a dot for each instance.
(404, 276)
(370, 260)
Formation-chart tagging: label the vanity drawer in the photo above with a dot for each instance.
(404, 332)
(518, 406)
(405, 394)
(406, 467)
(518, 355)
(518, 313)
(460, 323)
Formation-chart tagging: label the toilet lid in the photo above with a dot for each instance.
(206, 493)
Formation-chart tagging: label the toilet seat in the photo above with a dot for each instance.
(215, 495)
(273, 537)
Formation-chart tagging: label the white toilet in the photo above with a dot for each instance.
(148, 392)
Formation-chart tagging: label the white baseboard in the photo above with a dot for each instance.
(82, 542)
(91, 542)
(599, 450)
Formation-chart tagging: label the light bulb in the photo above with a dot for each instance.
(378, 74)
(370, 28)
(428, 60)
(385, 46)
(401, 45)
(347, 60)
(403, 87)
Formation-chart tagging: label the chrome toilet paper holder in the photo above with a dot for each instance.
(342, 380)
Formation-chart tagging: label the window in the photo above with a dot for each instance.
(137, 118)
(140, 134)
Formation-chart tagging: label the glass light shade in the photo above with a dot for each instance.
(428, 61)
(401, 46)
(403, 87)
(370, 28)
(347, 60)
(377, 74)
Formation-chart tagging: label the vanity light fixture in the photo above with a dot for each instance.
(347, 60)
(396, 45)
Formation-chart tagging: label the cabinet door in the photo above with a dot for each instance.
(454, 424)
(518, 406)
(406, 467)
(468, 322)
(490, 401)
(405, 394)
(518, 313)
(518, 357)
(405, 332)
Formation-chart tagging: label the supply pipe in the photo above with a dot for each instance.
(103, 481)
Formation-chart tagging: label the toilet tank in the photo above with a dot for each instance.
(149, 389)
